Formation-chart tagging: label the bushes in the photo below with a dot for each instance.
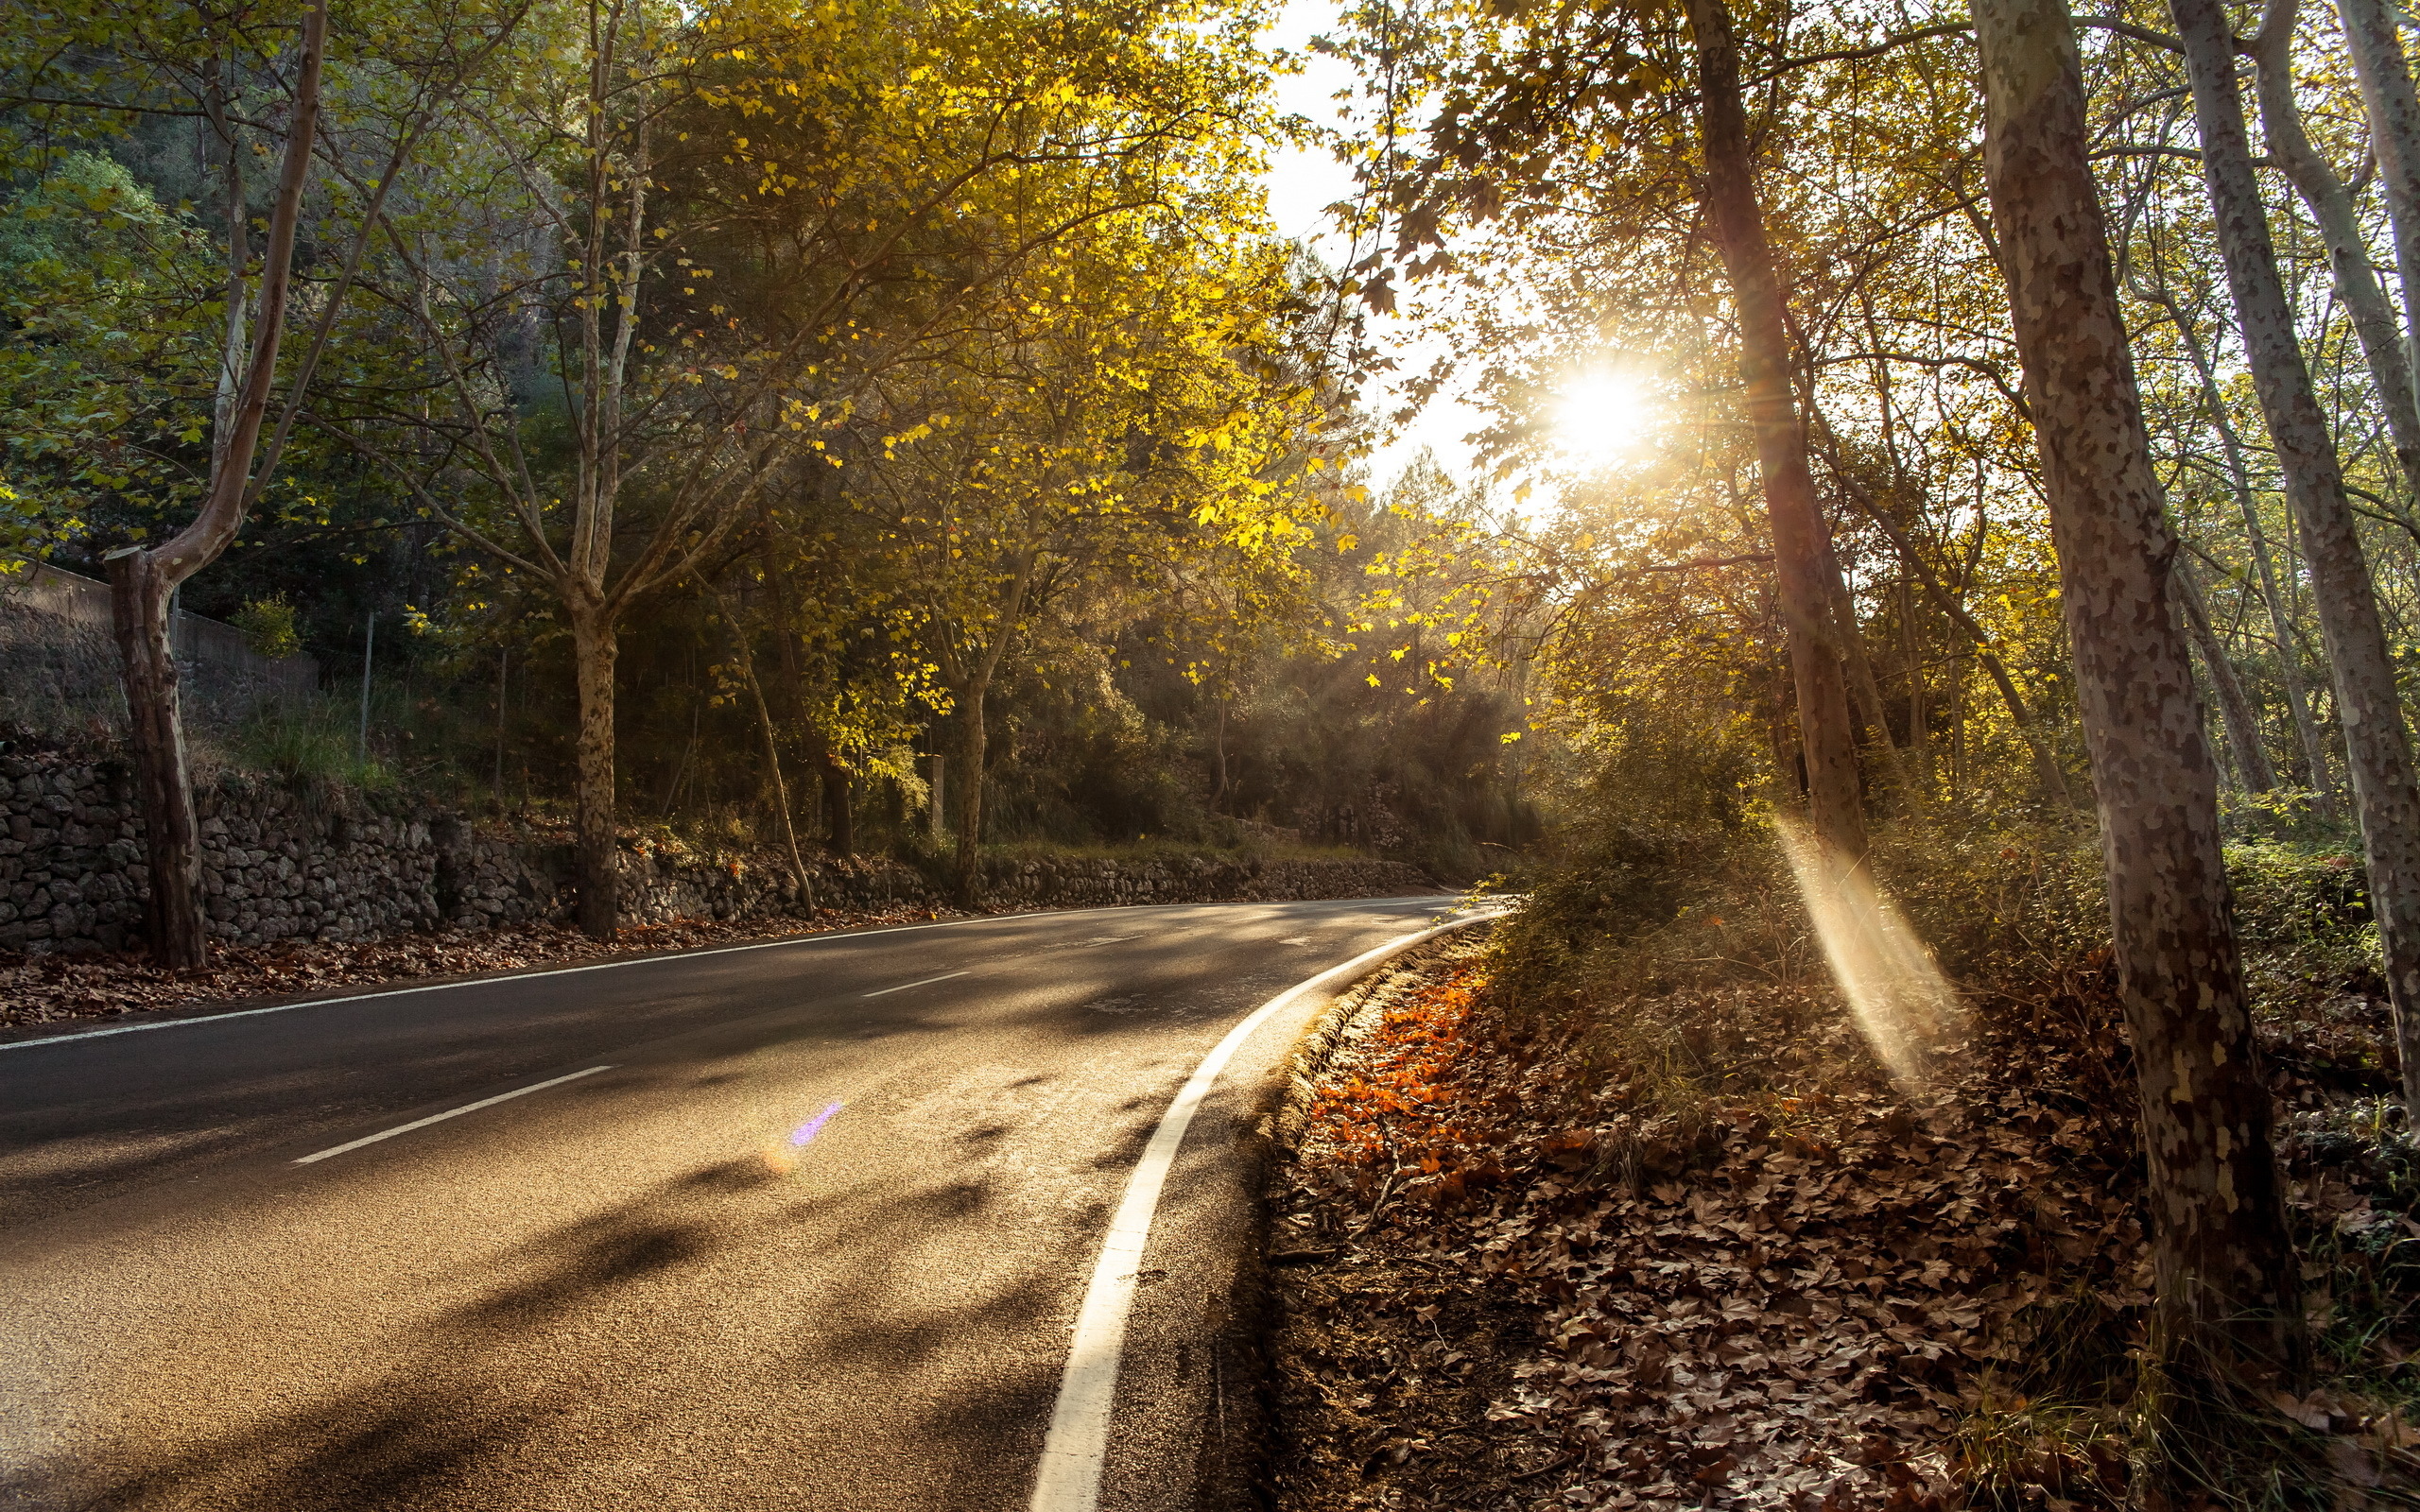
(269, 626)
(2303, 910)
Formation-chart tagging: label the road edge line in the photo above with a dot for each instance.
(1076, 1445)
(826, 937)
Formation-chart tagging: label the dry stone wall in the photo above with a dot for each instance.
(282, 864)
(1074, 882)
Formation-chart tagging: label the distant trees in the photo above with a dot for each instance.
(1126, 419)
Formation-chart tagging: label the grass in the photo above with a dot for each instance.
(311, 748)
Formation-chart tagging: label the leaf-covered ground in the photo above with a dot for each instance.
(1515, 1268)
(40, 990)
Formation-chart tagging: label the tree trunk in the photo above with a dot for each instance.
(2348, 252)
(2228, 1290)
(2386, 799)
(594, 647)
(1913, 665)
(2393, 110)
(769, 732)
(1789, 769)
(831, 773)
(1218, 750)
(173, 925)
(141, 579)
(2281, 624)
(839, 820)
(1802, 540)
(1859, 666)
(2243, 730)
(967, 802)
(2046, 772)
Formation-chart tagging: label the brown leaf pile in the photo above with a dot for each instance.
(40, 989)
(1513, 1273)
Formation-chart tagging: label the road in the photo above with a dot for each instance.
(814, 1237)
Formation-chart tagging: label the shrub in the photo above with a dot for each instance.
(271, 628)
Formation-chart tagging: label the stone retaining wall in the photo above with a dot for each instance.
(278, 863)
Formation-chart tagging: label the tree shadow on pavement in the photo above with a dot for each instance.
(501, 1400)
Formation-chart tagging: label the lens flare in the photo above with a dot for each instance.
(1903, 1006)
(813, 1127)
(781, 1155)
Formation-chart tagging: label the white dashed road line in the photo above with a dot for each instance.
(451, 1112)
(885, 991)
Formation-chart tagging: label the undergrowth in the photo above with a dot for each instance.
(1673, 956)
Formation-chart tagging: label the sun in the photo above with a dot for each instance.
(1601, 417)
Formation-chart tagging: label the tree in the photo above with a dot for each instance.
(84, 77)
(2393, 107)
(2227, 1282)
(1804, 568)
(569, 243)
(2331, 204)
(1118, 422)
(141, 579)
(2386, 794)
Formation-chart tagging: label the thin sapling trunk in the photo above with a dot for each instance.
(2386, 798)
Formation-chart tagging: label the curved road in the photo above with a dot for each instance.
(814, 1236)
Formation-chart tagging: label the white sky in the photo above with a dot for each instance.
(1301, 185)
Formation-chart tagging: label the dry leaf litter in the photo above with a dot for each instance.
(1506, 1277)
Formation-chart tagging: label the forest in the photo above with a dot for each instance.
(727, 416)
(1939, 549)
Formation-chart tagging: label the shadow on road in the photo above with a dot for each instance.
(507, 1399)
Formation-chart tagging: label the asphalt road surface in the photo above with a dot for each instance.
(813, 1238)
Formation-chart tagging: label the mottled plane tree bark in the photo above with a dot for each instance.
(2394, 109)
(2348, 251)
(2227, 1284)
(2272, 598)
(2235, 707)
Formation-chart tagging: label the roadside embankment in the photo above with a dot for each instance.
(1692, 1246)
(308, 890)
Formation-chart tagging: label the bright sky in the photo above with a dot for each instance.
(1301, 185)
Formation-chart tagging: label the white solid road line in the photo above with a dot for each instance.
(926, 982)
(451, 1112)
(551, 971)
(834, 938)
(1072, 1455)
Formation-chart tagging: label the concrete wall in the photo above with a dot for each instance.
(278, 863)
(59, 662)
